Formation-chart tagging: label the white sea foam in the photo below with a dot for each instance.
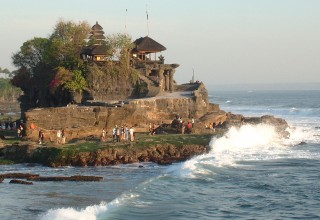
(247, 143)
(89, 213)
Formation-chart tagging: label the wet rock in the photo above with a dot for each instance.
(17, 175)
(77, 178)
(15, 181)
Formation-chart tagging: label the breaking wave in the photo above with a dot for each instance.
(247, 143)
(89, 213)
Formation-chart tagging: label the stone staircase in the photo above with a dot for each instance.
(153, 88)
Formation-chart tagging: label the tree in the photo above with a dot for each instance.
(32, 53)
(117, 44)
(67, 40)
(5, 70)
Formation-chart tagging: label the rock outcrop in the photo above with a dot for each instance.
(54, 157)
(80, 122)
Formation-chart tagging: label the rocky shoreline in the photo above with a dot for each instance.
(163, 154)
(83, 126)
(163, 149)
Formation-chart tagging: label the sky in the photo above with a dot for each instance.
(224, 42)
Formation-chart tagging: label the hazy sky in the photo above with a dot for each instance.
(224, 41)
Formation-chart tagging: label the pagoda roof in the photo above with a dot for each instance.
(97, 27)
(147, 44)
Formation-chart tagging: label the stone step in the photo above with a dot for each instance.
(153, 89)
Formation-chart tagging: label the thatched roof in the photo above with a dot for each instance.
(147, 44)
(94, 50)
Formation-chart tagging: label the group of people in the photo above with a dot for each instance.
(122, 133)
(185, 127)
(8, 125)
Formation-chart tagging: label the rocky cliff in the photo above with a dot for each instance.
(83, 121)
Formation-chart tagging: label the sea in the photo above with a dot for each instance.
(250, 173)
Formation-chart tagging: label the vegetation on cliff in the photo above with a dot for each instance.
(50, 70)
(8, 93)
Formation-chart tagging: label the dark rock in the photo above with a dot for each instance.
(77, 178)
(15, 181)
(17, 175)
(302, 143)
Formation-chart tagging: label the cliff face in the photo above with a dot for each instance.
(83, 121)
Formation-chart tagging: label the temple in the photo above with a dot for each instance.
(143, 57)
(96, 49)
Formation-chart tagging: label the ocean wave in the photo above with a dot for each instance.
(247, 143)
(92, 212)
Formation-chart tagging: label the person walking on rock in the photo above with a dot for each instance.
(41, 137)
(103, 135)
(59, 136)
(114, 134)
(63, 137)
(131, 134)
(118, 131)
(127, 133)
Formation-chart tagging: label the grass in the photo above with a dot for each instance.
(89, 146)
(6, 162)
(143, 140)
(11, 136)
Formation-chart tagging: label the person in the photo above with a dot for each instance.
(103, 135)
(41, 137)
(63, 137)
(114, 133)
(123, 135)
(20, 130)
(59, 136)
(183, 127)
(189, 127)
(131, 134)
(150, 129)
(127, 133)
(192, 122)
(118, 134)
(153, 129)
